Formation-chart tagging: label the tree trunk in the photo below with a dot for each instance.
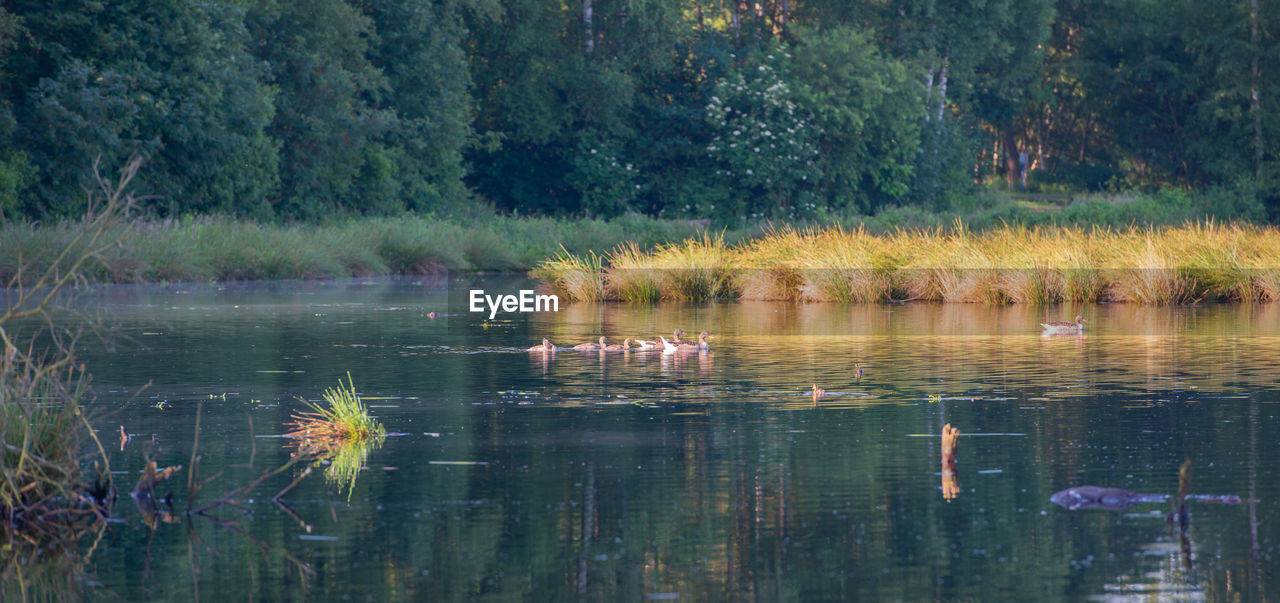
(942, 90)
(587, 33)
(1254, 103)
(737, 19)
(928, 91)
(1012, 163)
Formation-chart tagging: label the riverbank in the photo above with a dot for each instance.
(210, 248)
(1203, 261)
(225, 249)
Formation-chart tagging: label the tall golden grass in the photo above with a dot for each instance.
(1205, 261)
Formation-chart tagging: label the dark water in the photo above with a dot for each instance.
(693, 477)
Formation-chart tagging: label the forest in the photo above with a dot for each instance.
(728, 111)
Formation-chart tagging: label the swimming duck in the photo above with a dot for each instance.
(546, 346)
(626, 345)
(858, 375)
(818, 392)
(593, 347)
(1064, 327)
(700, 344)
(654, 344)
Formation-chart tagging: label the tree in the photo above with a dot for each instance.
(327, 120)
(865, 106)
(418, 164)
(168, 79)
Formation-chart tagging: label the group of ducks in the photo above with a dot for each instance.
(668, 346)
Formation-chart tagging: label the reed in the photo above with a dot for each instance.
(629, 278)
(767, 268)
(1010, 264)
(220, 248)
(575, 278)
(345, 419)
(697, 269)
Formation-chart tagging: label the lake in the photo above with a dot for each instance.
(702, 476)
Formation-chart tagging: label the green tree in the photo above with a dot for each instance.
(419, 51)
(171, 80)
(765, 139)
(327, 121)
(865, 107)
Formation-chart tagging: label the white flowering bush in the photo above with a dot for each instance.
(764, 144)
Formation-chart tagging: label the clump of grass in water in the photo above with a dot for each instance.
(1012, 264)
(698, 269)
(345, 419)
(629, 276)
(342, 434)
(576, 278)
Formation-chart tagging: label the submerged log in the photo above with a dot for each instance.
(1095, 497)
(1116, 499)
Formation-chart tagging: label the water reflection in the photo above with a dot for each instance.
(718, 474)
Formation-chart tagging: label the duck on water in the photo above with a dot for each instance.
(1064, 327)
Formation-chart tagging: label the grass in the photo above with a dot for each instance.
(341, 434)
(218, 248)
(344, 419)
(1192, 262)
(42, 436)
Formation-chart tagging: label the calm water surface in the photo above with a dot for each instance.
(693, 477)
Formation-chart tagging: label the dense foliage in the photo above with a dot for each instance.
(781, 109)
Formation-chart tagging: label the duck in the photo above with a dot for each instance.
(668, 347)
(546, 346)
(626, 345)
(818, 392)
(700, 344)
(858, 374)
(654, 344)
(593, 347)
(1064, 327)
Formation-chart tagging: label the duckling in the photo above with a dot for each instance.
(546, 346)
(626, 345)
(1064, 327)
(654, 344)
(668, 347)
(593, 347)
(700, 344)
(858, 374)
(818, 392)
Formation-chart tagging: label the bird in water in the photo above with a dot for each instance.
(626, 345)
(700, 344)
(546, 346)
(653, 344)
(858, 372)
(593, 347)
(818, 393)
(1063, 327)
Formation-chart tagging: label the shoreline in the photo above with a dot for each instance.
(1166, 266)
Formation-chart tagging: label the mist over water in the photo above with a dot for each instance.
(695, 476)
